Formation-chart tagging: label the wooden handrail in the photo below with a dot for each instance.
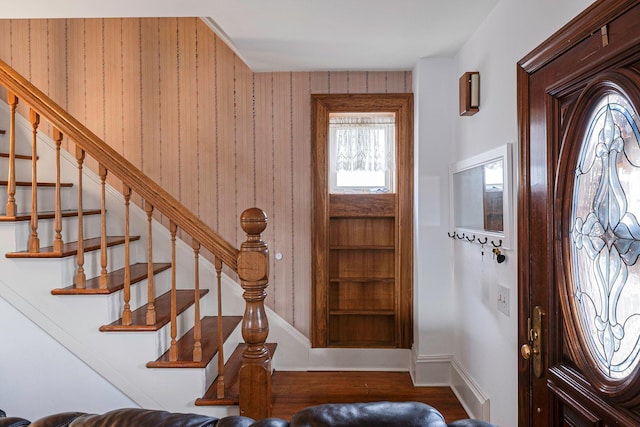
(117, 165)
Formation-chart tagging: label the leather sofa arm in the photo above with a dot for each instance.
(13, 422)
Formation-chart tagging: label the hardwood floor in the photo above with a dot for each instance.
(293, 391)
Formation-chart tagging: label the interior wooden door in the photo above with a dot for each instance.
(362, 242)
(579, 236)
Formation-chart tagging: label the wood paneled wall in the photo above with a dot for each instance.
(176, 101)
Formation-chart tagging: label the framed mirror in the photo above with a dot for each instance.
(481, 197)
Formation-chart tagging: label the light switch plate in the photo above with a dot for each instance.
(503, 299)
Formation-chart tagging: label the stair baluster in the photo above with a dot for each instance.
(126, 311)
(151, 306)
(197, 331)
(102, 171)
(34, 240)
(11, 180)
(220, 389)
(81, 278)
(173, 350)
(58, 242)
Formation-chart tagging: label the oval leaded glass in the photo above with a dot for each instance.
(605, 237)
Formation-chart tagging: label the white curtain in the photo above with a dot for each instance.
(362, 143)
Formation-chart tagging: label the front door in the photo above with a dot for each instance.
(579, 227)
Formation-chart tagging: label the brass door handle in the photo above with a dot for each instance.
(526, 351)
(533, 349)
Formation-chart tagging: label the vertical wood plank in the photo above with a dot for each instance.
(397, 82)
(75, 63)
(93, 95)
(282, 193)
(38, 61)
(57, 68)
(207, 98)
(113, 125)
(338, 82)
(169, 137)
(227, 214)
(21, 54)
(358, 82)
(131, 92)
(265, 166)
(301, 242)
(245, 154)
(39, 54)
(5, 49)
(188, 113)
(377, 82)
(151, 126)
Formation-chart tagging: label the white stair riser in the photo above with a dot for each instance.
(46, 230)
(115, 301)
(22, 169)
(45, 198)
(211, 370)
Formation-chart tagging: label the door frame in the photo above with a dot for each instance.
(578, 30)
(321, 106)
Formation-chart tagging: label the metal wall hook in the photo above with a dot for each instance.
(486, 239)
(460, 237)
(498, 245)
(452, 235)
(472, 239)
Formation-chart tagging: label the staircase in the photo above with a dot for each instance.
(118, 277)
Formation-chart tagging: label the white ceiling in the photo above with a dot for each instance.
(304, 35)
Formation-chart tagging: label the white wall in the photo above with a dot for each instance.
(485, 340)
(51, 369)
(433, 311)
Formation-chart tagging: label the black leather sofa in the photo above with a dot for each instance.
(380, 414)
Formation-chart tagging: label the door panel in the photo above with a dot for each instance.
(362, 240)
(558, 84)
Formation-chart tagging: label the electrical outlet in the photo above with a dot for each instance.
(503, 299)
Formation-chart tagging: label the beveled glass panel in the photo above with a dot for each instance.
(605, 237)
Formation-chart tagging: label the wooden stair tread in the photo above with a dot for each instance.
(17, 156)
(49, 215)
(184, 299)
(231, 380)
(39, 184)
(115, 280)
(209, 342)
(71, 248)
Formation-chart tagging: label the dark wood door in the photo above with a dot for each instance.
(578, 231)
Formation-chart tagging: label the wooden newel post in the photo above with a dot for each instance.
(253, 271)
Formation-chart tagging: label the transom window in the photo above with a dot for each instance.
(362, 152)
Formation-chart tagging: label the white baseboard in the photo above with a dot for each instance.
(430, 371)
(445, 370)
(472, 398)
